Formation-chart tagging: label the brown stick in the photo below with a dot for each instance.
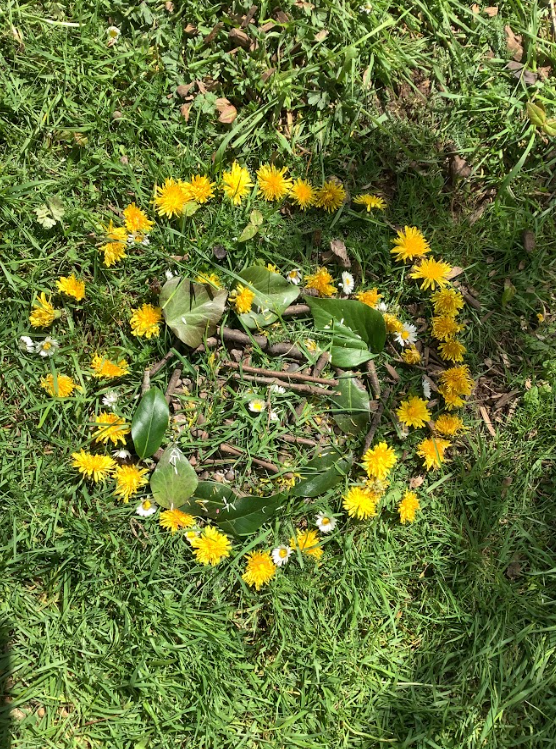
(375, 384)
(286, 349)
(296, 309)
(154, 369)
(231, 450)
(289, 385)
(376, 421)
(281, 375)
(323, 360)
(174, 379)
(242, 339)
(298, 440)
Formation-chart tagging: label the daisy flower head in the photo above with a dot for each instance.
(121, 454)
(136, 221)
(302, 194)
(457, 380)
(411, 355)
(330, 196)
(260, 569)
(371, 202)
(27, 344)
(71, 286)
(110, 399)
(348, 283)
(110, 427)
(170, 198)
(294, 276)
(145, 321)
(432, 273)
(321, 281)
(432, 451)
(408, 507)
(257, 405)
(443, 328)
(43, 313)
(129, 479)
(48, 347)
(325, 522)
(452, 350)
(175, 519)
(105, 369)
(378, 461)
(413, 412)
(425, 384)
(308, 543)
(449, 425)
(113, 33)
(236, 183)
(407, 335)
(60, 387)
(211, 546)
(370, 297)
(201, 188)
(409, 244)
(211, 279)
(447, 302)
(393, 325)
(97, 467)
(281, 555)
(146, 509)
(242, 299)
(272, 182)
(360, 503)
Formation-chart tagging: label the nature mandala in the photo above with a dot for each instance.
(295, 354)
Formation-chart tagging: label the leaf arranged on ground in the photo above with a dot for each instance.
(192, 310)
(273, 294)
(353, 406)
(323, 472)
(358, 331)
(149, 423)
(174, 480)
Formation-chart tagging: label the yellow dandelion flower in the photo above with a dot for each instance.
(377, 486)
(452, 400)
(308, 543)
(410, 243)
(170, 199)
(272, 182)
(311, 346)
(110, 427)
(129, 479)
(408, 507)
(201, 188)
(432, 451)
(61, 387)
(321, 281)
(360, 503)
(260, 569)
(209, 278)
(443, 328)
(116, 233)
(378, 461)
(371, 297)
(413, 412)
(211, 546)
(273, 268)
(302, 193)
(452, 350)
(330, 196)
(447, 302)
(175, 519)
(97, 467)
(113, 253)
(411, 355)
(70, 286)
(136, 220)
(393, 325)
(432, 272)
(370, 202)
(449, 425)
(105, 369)
(457, 380)
(43, 313)
(242, 299)
(237, 182)
(145, 321)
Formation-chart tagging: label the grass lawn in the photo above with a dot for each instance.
(436, 634)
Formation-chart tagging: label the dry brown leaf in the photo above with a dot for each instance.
(513, 43)
(266, 27)
(475, 8)
(459, 168)
(213, 34)
(249, 17)
(339, 252)
(227, 111)
(392, 372)
(281, 17)
(529, 240)
(184, 89)
(491, 11)
(237, 36)
(454, 273)
(488, 422)
(416, 481)
(169, 6)
(185, 111)
(321, 36)
(191, 30)
(267, 74)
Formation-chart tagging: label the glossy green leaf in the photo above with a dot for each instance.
(256, 218)
(248, 233)
(323, 472)
(192, 310)
(353, 407)
(173, 481)
(273, 294)
(149, 423)
(549, 127)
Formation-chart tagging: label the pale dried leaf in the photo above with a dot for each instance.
(529, 240)
(227, 111)
(237, 36)
(185, 110)
(491, 11)
(416, 481)
(339, 251)
(488, 423)
(184, 89)
(455, 272)
(321, 36)
(513, 43)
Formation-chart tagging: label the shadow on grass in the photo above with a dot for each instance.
(4, 697)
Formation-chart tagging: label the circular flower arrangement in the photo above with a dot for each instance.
(352, 327)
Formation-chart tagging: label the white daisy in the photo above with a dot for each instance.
(348, 282)
(408, 336)
(191, 534)
(146, 509)
(113, 35)
(278, 389)
(325, 523)
(294, 276)
(48, 347)
(169, 274)
(257, 405)
(381, 307)
(274, 416)
(426, 388)
(26, 344)
(281, 554)
(110, 399)
(121, 454)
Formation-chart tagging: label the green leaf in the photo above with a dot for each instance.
(353, 404)
(192, 310)
(173, 480)
(356, 329)
(210, 499)
(324, 471)
(549, 127)
(536, 114)
(256, 218)
(149, 422)
(248, 233)
(56, 208)
(273, 294)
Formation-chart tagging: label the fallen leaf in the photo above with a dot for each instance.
(237, 36)
(392, 372)
(513, 43)
(488, 422)
(454, 273)
(321, 36)
(266, 27)
(190, 30)
(339, 251)
(169, 6)
(304, 5)
(491, 11)
(227, 111)
(416, 481)
(185, 110)
(249, 17)
(514, 569)
(267, 74)
(219, 251)
(281, 17)
(183, 90)
(201, 86)
(475, 8)
(459, 168)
